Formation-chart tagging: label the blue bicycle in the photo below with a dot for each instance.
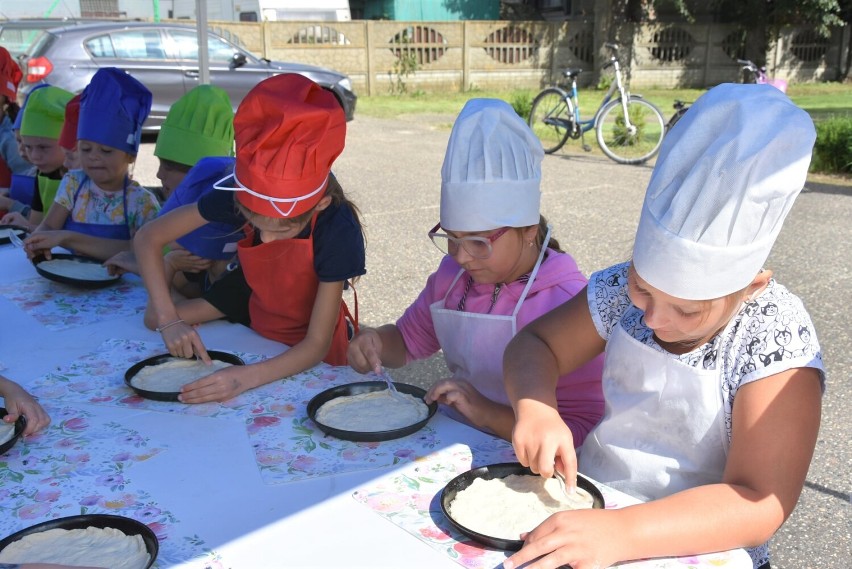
(629, 128)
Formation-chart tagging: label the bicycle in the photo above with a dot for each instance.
(755, 74)
(752, 74)
(629, 129)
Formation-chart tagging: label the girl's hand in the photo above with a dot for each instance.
(541, 439)
(15, 218)
(462, 396)
(183, 341)
(41, 242)
(18, 402)
(220, 386)
(365, 351)
(123, 262)
(582, 539)
(183, 260)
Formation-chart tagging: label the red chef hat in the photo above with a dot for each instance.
(10, 75)
(288, 132)
(68, 135)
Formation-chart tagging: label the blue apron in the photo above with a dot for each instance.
(22, 187)
(103, 230)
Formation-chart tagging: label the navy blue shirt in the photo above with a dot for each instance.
(338, 242)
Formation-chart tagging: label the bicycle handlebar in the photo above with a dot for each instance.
(612, 46)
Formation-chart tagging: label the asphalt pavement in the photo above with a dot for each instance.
(391, 170)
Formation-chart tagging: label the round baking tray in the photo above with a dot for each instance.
(128, 526)
(4, 239)
(163, 358)
(367, 387)
(490, 472)
(20, 425)
(83, 283)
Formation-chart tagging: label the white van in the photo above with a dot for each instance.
(266, 10)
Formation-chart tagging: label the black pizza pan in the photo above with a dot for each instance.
(368, 387)
(490, 472)
(20, 425)
(82, 283)
(163, 358)
(5, 239)
(127, 526)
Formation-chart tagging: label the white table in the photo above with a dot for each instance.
(227, 485)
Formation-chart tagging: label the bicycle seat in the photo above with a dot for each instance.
(572, 72)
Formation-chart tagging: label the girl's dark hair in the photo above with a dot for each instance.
(338, 198)
(542, 231)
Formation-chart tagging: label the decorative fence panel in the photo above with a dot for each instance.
(433, 56)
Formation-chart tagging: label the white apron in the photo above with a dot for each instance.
(474, 343)
(663, 428)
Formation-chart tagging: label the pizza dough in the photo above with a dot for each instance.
(93, 547)
(372, 412)
(7, 431)
(76, 270)
(170, 376)
(4, 233)
(504, 508)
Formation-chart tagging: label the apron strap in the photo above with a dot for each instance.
(534, 272)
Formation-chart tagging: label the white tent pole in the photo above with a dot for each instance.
(203, 59)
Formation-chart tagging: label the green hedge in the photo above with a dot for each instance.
(833, 148)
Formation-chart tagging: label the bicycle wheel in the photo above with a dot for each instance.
(552, 118)
(636, 144)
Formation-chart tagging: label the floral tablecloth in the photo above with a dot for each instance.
(411, 499)
(287, 445)
(84, 463)
(59, 306)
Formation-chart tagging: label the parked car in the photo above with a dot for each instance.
(18, 35)
(164, 57)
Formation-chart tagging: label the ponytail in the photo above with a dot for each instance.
(542, 231)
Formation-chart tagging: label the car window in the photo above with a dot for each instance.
(131, 44)
(18, 40)
(218, 50)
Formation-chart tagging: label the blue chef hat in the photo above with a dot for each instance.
(214, 240)
(112, 109)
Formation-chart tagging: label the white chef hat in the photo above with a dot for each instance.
(726, 176)
(492, 170)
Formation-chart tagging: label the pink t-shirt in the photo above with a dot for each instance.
(578, 394)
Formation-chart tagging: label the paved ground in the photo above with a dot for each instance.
(391, 169)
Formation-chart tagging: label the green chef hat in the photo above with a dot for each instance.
(199, 124)
(45, 112)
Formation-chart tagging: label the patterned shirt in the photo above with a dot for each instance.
(770, 334)
(94, 205)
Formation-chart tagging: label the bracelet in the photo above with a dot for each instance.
(161, 328)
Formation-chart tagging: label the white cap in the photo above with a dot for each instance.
(492, 170)
(726, 176)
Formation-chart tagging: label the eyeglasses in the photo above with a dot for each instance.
(476, 246)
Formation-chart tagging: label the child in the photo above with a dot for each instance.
(502, 271)
(199, 124)
(10, 160)
(713, 375)
(41, 123)
(98, 209)
(22, 183)
(304, 240)
(18, 402)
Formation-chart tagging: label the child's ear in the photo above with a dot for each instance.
(759, 283)
(323, 203)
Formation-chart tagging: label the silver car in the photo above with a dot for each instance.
(163, 57)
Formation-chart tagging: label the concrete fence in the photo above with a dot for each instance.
(380, 56)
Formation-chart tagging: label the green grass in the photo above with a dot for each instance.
(821, 100)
